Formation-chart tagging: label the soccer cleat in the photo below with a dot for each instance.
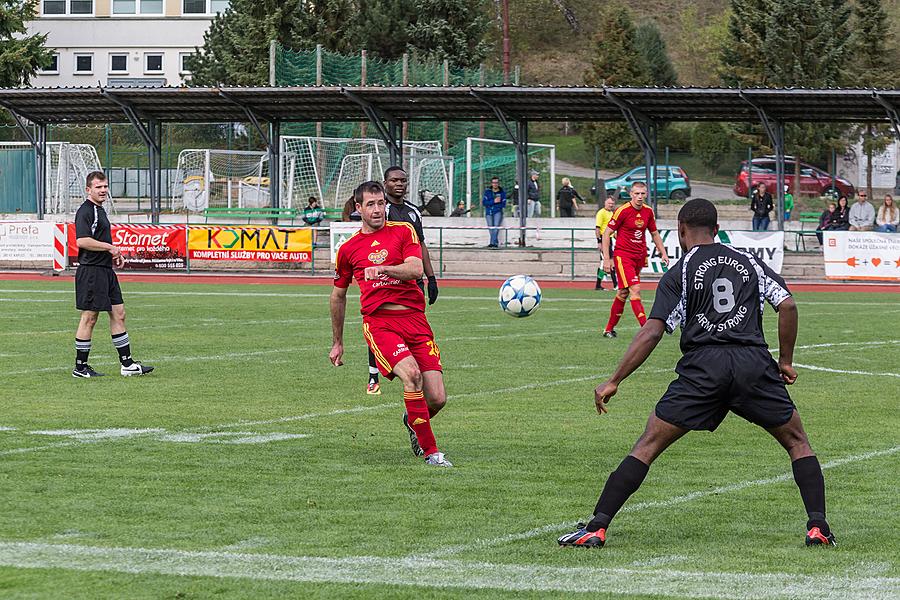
(86, 371)
(437, 460)
(413, 438)
(610, 334)
(135, 368)
(815, 537)
(373, 389)
(582, 538)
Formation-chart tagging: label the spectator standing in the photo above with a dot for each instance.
(788, 203)
(313, 213)
(533, 194)
(825, 220)
(567, 198)
(862, 214)
(494, 201)
(888, 217)
(761, 205)
(603, 217)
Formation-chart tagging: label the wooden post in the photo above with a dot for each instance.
(405, 129)
(363, 72)
(446, 123)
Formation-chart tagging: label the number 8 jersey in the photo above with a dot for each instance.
(716, 293)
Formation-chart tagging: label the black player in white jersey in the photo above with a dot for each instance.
(716, 293)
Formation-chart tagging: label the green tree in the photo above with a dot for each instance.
(710, 143)
(650, 44)
(455, 30)
(698, 46)
(21, 55)
(386, 25)
(743, 56)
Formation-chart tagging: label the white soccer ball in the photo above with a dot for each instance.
(520, 296)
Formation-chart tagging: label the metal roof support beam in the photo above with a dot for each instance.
(644, 129)
(38, 141)
(892, 112)
(387, 127)
(251, 116)
(775, 130)
(132, 117)
(274, 146)
(501, 116)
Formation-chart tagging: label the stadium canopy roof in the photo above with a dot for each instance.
(401, 103)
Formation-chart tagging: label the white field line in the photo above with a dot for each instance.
(640, 506)
(446, 574)
(845, 371)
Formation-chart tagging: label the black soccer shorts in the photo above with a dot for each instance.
(96, 288)
(713, 380)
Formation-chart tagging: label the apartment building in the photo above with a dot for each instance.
(121, 42)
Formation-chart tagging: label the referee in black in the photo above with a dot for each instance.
(96, 286)
(716, 294)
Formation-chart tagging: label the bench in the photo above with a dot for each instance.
(251, 213)
(806, 218)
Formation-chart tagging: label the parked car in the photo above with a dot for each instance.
(813, 181)
(679, 184)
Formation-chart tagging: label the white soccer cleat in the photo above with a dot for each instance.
(135, 368)
(437, 459)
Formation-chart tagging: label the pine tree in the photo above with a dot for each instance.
(651, 46)
(743, 56)
(21, 55)
(455, 30)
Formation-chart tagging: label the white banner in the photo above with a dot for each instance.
(26, 240)
(340, 232)
(862, 255)
(767, 246)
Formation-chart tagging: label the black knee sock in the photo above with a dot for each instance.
(808, 475)
(82, 349)
(123, 345)
(373, 368)
(622, 483)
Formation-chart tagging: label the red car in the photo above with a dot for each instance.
(813, 181)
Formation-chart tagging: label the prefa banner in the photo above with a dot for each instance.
(143, 246)
(340, 232)
(862, 255)
(26, 240)
(767, 246)
(267, 243)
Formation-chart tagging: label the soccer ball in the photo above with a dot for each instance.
(520, 296)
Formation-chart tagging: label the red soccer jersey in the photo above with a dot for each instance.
(629, 225)
(390, 245)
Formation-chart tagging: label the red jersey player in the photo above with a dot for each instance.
(385, 258)
(629, 222)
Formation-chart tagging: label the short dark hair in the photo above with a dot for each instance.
(391, 169)
(368, 187)
(95, 176)
(495, 177)
(699, 213)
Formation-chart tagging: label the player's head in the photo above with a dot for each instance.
(97, 187)
(697, 219)
(638, 193)
(371, 204)
(395, 182)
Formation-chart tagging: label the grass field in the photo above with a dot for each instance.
(246, 466)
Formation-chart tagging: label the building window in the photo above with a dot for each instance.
(153, 63)
(118, 63)
(204, 7)
(124, 7)
(68, 7)
(137, 7)
(81, 7)
(182, 63)
(53, 68)
(151, 7)
(84, 64)
(54, 7)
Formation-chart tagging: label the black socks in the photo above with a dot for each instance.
(622, 483)
(808, 475)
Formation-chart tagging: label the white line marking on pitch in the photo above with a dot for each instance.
(845, 371)
(674, 501)
(447, 574)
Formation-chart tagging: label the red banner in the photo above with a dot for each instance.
(143, 246)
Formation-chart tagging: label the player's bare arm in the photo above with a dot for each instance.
(787, 337)
(409, 269)
(660, 247)
(89, 243)
(605, 243)
(338, 303)
(642, 345)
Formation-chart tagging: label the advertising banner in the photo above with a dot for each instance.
(340, 232)
(766, 246)
(26, 240)
(862, 255)
(143, 246)
(251, 242)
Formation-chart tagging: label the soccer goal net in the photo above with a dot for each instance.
(208, 178)
(331, 168)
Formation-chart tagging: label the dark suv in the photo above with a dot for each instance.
(813, 181)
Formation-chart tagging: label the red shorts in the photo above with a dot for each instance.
(395, 334)
(628, 269)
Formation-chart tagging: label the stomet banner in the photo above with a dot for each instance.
(143, 246)
(26, 240)
(257, 243)
(862, 255)
(766, 246)
(340, 233)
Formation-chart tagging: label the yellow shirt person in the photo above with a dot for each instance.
(603, 217)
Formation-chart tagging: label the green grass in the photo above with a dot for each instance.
(520, 426)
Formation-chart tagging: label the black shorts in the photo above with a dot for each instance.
(713, 380)
(96, 288)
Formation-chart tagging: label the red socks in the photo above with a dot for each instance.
(638, 309)
(417, 413)
(615, 313)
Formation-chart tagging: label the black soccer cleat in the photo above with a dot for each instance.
(135, 368)
(815, 537)
(85, 371)
(582, 538)
(413, 438)
(610, 334)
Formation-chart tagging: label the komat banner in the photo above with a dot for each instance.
(26, 240)
(766, 246)
(143, 246)
(862, 255)
(251, 242)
